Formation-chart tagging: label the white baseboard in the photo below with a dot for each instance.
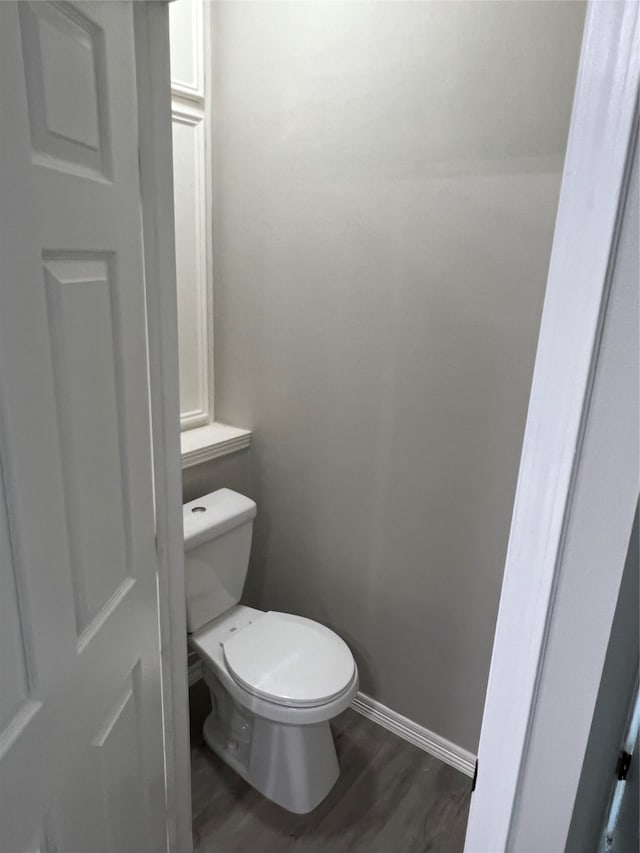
(430, 742)
(378, 713)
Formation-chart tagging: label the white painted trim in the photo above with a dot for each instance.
(592, 558)
(194, 91)
(193, 106)
(209, 177)
(426, 740)
(192, 116)
(211, 441)
(193, 420)
(151, 22)
(586, 227)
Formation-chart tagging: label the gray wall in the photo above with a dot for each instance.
(385, 184)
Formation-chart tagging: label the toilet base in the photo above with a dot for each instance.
(295, 766)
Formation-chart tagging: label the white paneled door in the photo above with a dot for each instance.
(81, 738)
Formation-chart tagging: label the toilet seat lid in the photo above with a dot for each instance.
(289, 660)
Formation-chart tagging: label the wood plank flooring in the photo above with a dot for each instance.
(391, 797)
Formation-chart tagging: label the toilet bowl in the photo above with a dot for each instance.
(275, 679)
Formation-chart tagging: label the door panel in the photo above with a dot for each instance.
(66, 79)
(83, 325)
(81, 741)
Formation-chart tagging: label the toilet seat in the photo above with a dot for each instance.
(289, 660)
(208, 643)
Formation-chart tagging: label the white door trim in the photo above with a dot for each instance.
(595, 172)
(156, 176)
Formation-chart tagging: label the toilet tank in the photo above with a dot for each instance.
(217, 543)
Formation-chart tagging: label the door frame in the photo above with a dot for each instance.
(151, 22)
(594, 183)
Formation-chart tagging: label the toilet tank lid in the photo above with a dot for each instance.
(215, 514)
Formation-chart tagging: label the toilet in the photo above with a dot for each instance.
(275, 679)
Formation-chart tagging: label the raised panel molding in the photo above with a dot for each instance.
(192, 266)
(190, 46)
(186, 22)
(65, 76)
(84, 330)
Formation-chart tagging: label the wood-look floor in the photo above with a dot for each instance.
(391, 797)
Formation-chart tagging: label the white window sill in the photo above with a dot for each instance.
(211, 441)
